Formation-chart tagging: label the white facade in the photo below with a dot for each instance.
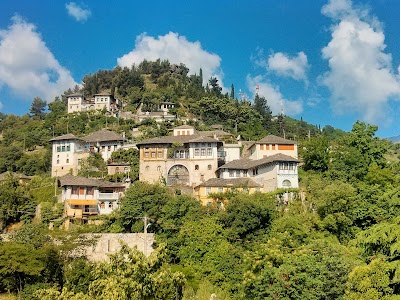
(66, 156)
(106, 148)
(102, 101)
(75, 103)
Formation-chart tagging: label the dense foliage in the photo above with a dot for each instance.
(338, 239)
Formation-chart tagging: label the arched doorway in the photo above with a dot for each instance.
(178, 175)
(286, 183)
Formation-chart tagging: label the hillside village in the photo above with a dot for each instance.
(210, 193)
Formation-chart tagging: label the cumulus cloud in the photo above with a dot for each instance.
(284, 65)
(275, 99)
(79, 13)
(27, 66)
(361, 76)
(177, 49)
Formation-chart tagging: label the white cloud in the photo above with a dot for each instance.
(284, 65)
(177, 49)
(27, 66)
(360, 76)
(276, 100)
(79, 13)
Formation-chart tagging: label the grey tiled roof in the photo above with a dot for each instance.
(103, 136)
(69, 180)
(184, 139)
(184, 127)
(246, 163)
(230, 182)
(214, 132)
(4, 176)
(273, 139)
(68, 136)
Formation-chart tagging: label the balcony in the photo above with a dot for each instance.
(109, 196)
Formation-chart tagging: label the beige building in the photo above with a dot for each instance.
(78, 103)
(271, 145)
(84, 197)
(67, 151)
(223, 185)
(186, 158)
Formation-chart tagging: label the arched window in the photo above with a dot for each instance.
(286, 183)
(196, 167)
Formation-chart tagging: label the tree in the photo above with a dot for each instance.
(128, 275)
(315, 154)
(261, 106)
(232, 95)
(215, 88)
(37, 108)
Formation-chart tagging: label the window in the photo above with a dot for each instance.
(255, 171)
(291, 166)
(196, 167)
(208, 190)
(110, 205)
(209, 152)
(261, 147)
(89, 191)
(146, 154)
(117, 170)
(74, 190)
(58, 156)
(196, 152)
(147, 168)
(109, 148)
(58, 149)
(220, 189)
(237, 173)
(286, 183)
(159, 168)
(81, 191)
(231, 173)
(208, 203)
(203, 152)
(153, 154)
(209, 167)
(160, 154)
(67, 160)
(244, 173)
(79, 161)
(209, 144)
(68, 148)
(63, 148)
(103, 148)
(58, 161)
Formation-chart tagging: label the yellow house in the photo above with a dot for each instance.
(222, 185)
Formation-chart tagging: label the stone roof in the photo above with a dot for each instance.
(68, 136)
(4, 176)
(75, 95)
(273, 139)
(230, 182)
(103, 94)
(69, 180)
(103, 136)
(214, 132)
(184, 127)
(184, 139)
(246, 163)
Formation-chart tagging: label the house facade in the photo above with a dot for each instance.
(67, 151)
(78, 103)
(104, 142)
(85, 197)
(184, 159)
(271, 145)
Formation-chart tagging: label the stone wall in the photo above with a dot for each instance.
(109, 243)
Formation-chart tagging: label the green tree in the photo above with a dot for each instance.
(37, 108)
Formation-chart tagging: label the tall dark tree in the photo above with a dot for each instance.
(215, 88)
(37, 108)
(232, 96)
(261, 105)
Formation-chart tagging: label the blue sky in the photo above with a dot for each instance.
(329, 61)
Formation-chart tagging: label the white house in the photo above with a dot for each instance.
(67, 151)
(84, 197)
(104, 142)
